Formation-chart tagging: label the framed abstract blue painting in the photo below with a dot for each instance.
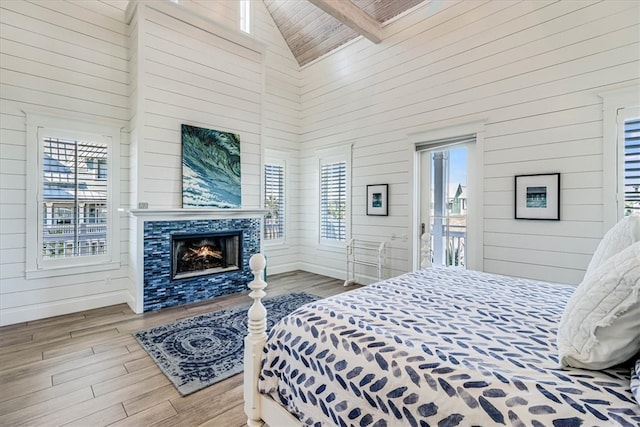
(210, 168)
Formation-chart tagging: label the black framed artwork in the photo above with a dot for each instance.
(537, 196)
(377, 199)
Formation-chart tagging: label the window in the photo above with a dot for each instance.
(75, 223)
(102, 169)
(245, 16)
(333, 201)
(71, 192)
(446, 218)
(632, 166)
(274, 201)
(621, 153)
(275, 195)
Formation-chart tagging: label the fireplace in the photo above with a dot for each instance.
(155, 263)
(203, 254)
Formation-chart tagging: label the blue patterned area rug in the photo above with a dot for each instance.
(202, 350)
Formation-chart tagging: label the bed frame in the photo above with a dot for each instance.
(261, 408)
(258, 407)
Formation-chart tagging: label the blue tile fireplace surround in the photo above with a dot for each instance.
(160, 291)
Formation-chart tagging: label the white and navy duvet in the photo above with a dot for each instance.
(439, 347)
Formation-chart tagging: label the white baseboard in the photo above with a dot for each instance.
(325, 271)
(311, 268)
(282, 268)
(40, 311)
(131, 301)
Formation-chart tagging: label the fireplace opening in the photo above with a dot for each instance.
(201, 254)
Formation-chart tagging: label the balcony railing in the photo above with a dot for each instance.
(452, 232)
(70, 228)
(61, 240)
(273, 229)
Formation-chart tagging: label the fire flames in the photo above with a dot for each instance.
(202, 252)
(200, 256)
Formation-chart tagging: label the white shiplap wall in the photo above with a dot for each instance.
(66, 58)
(281, 130)
(280, 112)
(81, 58)
(533, 69)
(203, 72)
(189, 72)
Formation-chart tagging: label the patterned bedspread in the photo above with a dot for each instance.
(439, 347)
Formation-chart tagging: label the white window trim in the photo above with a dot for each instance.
(328, 156)
(100, 132)
(616, 106)
(277, 157)
(475, 179)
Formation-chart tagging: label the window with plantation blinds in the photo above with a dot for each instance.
(73, 200)
(274, 201)
(632, 166)
(333, 199)
(72, 222)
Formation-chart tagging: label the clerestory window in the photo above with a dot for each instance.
(245, 16)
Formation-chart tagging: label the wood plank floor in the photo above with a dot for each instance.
(86, 369)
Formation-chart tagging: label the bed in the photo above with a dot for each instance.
(436, 347)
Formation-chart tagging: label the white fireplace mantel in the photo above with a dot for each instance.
(186, 213)
(138, 218)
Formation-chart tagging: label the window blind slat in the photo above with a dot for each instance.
(632, 165)
(274, 201)
(333, 181)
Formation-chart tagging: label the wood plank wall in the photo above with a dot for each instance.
(533, 69)
(281, 130)
(66, 58)
(81, 58)
(187, 75)
(268, 90)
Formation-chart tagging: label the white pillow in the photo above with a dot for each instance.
(600, 326)
(622, 235)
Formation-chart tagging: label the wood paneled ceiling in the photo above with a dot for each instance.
(313, 28)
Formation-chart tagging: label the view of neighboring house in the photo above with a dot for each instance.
(74, 198)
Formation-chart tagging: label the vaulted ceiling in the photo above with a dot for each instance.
(313, 28)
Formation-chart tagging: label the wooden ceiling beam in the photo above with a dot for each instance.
(351, 16)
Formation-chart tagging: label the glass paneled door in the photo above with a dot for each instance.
(443, 205)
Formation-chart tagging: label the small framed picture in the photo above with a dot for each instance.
(538, 196)
(377, 199)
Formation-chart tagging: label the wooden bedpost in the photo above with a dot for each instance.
(254, 341)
